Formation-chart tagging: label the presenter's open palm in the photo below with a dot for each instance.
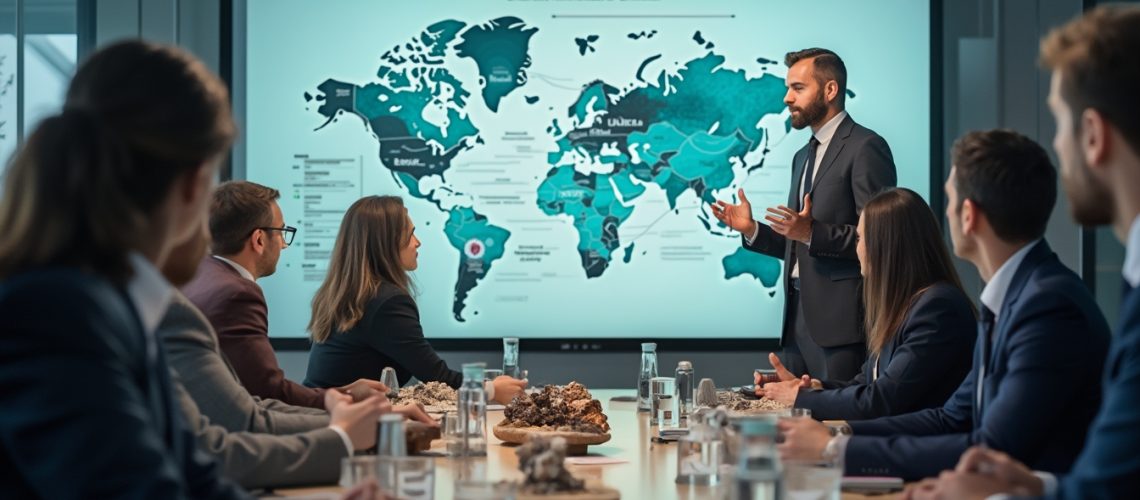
(738, 217)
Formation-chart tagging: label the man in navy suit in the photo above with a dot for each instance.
(1094, 100)
(1034, 385)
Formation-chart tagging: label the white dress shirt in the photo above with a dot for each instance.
(237, 267)
(150, 293)
(993, 295)
(824, 135)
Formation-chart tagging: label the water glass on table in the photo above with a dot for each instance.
(485, 490)
(817, 479)
(412, 478)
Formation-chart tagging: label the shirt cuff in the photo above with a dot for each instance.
(837, 447)
(489, 388)
(343, 437)
(750, 239)
(1048, 483)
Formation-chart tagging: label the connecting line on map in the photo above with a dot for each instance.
(655, 221)
(643, 16)
(550, 80)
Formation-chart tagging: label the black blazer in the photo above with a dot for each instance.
(83, 412)
(389, 334)
(1040, 392)
(1109, 466)
(919, 368)
(856, 166)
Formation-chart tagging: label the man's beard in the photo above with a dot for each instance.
(1089, 201)
(812, 114)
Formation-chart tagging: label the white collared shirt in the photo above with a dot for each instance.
(993, 295)
(1131, 270)
(151, 294)
(237, 267)
(824, 135)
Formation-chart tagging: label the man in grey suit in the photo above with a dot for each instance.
(842, 167)
(260, 443)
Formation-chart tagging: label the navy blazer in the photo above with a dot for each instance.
(919, 368)
(389, 334)
(83, 412)
(1040, 391)
(1109, 465)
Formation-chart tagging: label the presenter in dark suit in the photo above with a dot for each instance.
(365, 321)
(1094, 101)
(842, 166)
(91, 207)
(921, 326)
(1042, 341)
(249, 233)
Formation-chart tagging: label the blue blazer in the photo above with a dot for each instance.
(83, 412)
(1109, 466)
(1040, 391)
(919, 368)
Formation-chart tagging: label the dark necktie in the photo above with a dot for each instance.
(985, 337)
(1125, 289)
(813, 146)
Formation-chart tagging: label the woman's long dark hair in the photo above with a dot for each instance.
(905, 256)
(137, 117)
(365, 256)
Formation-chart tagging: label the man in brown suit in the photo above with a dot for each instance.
(249, 233)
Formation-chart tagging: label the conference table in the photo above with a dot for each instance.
(644, 470)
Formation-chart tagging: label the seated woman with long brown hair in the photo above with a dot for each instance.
(920, 324)
(364, 317)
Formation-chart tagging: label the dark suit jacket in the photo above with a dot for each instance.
(83, 412)
(919, 368)
(1109, 465)
(1041, 387)
(389, 334)
(236, 308)
(855, 167)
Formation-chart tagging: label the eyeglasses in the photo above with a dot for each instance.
(287, 232)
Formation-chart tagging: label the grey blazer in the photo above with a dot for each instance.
(856, 166)
(192, 350)
(256, 460)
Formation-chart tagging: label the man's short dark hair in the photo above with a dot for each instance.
(1010, 178)
(826, 66)
(236, 209)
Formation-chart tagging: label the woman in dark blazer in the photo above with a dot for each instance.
(92, 205)
(920, 324)
(364, 317)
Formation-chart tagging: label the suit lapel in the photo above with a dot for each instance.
(833, 149)
(1020, 278)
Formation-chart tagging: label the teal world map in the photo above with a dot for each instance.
(685, 130)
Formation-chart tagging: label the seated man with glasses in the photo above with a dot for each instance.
(249, 233)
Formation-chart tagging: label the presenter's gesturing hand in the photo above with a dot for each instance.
(738, 217)
(791, 224)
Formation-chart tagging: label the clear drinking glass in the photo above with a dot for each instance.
(354, 470)
(473, 411)
(757, 473)
(452, 433)
(388, 378)
(407, 477)
(485, 490)
(663, 402)
(511, 357)
(647, 371)
(812, 479)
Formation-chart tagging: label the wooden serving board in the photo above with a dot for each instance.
(591, 493)
(577, 441)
